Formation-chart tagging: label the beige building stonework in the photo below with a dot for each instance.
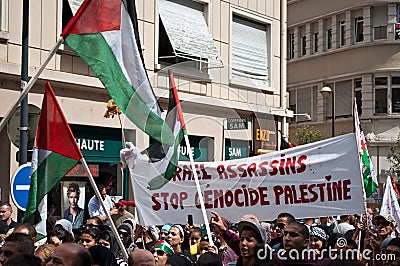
(351, 47)
(210, 93)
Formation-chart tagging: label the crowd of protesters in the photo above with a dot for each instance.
(366, 239)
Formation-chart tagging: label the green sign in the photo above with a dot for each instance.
(201, 148)
(98, 144)
(236, 123)
(235, 152)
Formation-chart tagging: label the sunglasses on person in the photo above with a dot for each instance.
(279, 226)
(159, 252)
(123, 234)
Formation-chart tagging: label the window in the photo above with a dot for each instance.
(379, 21)
(359, 29)
(303, 45)
(304, 98)
(358, 95)
(316, 42)
(250, 46)
(329, 39)
(379, 32)
(189, 40)
(291, 46)
(343, 98)
(395, 94)
(398, 13)
(380, 89)
(4, 15)
(342, 33)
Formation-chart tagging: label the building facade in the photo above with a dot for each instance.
(226, 56)
(353, 48)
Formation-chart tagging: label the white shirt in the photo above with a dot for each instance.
(95, 208)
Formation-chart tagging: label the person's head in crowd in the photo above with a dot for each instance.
(89, 237)
(285, 218)
(102, 256)
(195, 235)
(296, 236)
(16, 243)
(347, 219)
(44, 252)
(176, 237)
(126, 232)
(385, 225)
(341, 247)
(323, 220)
(70, 254)
(6, 212)
(23, 260)
(277, 230)
(27, 229)
(235, 229)
(392, 252)
(141, 257)
(164, 231)
(161, 251)
(318, 238)
(252, 239)
(181, 259)
(107, 239)
(209, 259)
(309, 221)
(59, 235)
(204, 244)
(67, 225)
(94, 221)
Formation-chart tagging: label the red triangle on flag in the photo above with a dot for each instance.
(53, 132)
(95, 16)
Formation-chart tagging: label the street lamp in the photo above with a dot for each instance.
(307, 117)
(326, 92)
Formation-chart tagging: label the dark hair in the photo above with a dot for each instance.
(27, 226)
(100, 187)
(24, 242)
(5, 204)
(196, 229)
(73, 187)
(209, 259)
(303, 229)
(290, 218)
(93, 232)
(97, 219)
(3, 227)
(62, 234)
(22, 259)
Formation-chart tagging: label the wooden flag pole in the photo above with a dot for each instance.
(112, 225)
(30, 84)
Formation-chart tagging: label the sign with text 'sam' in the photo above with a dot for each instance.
(237, 123)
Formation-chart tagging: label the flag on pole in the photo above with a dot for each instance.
(368, 171)
(55, 153)
(104, 33)
(165, 158)
(285, 143)
(390, 204)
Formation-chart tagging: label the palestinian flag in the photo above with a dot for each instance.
(104, 34)
(55, 153)
(368, 171)
(164, 159)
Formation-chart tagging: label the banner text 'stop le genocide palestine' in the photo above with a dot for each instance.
(317, 179)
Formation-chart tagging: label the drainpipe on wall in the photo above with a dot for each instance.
(283, 72)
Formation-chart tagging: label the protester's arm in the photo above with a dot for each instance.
(230, 238)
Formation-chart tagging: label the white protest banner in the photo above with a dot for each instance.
(317, 179)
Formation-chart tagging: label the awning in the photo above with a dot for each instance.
(188, 32)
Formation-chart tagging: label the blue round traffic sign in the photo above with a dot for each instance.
(20, 184)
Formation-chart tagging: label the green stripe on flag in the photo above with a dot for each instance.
(48, 174)
(94, 50)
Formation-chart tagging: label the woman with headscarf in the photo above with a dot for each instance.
(107, 240)
(175, 238)
(102, 256)
(162, 251)
(318, 239)
(126, 232)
